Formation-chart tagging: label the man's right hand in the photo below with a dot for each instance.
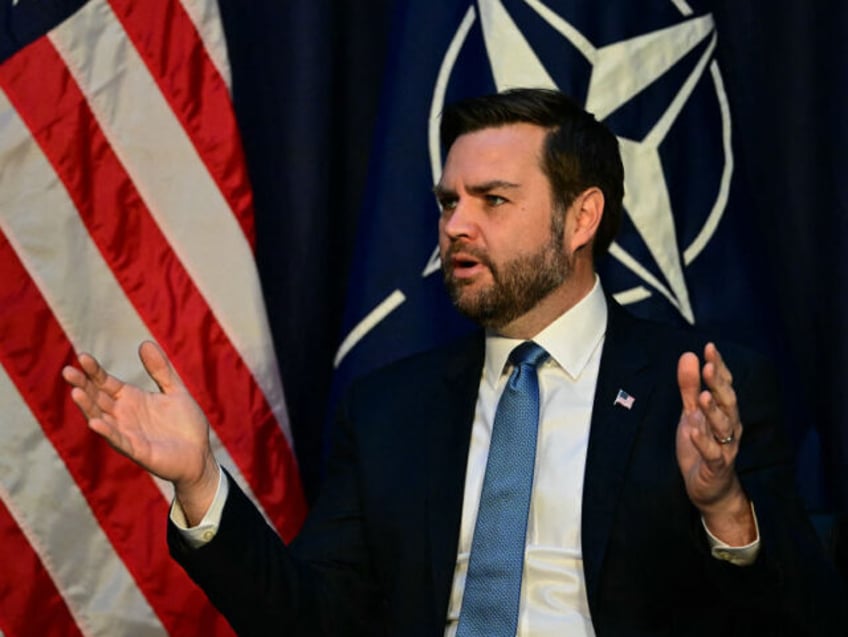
(165, 433)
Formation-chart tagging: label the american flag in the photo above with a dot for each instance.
(125, 214)
(624, 399)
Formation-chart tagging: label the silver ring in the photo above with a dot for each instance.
(725, 441)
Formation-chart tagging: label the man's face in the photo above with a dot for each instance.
(500, 239)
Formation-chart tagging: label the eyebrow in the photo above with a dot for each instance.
(476, 189)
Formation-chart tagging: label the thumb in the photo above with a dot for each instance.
(689, 380)
(158, 367)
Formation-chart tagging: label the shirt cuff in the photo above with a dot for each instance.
(736, 555)
(197, 536)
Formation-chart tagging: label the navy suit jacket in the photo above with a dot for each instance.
(377, 553)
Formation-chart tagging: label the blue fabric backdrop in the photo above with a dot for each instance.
(334, 100)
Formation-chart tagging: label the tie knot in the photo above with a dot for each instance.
(528, 353)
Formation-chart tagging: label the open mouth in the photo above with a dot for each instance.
(464, 265)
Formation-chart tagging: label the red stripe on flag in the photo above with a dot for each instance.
(33, 350)
(172, 308)
(172, 50)
(30, 603)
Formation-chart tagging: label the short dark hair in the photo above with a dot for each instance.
(579, 152)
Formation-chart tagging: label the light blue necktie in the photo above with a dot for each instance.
(493, 584)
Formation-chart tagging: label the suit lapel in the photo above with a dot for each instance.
(625, 363)
(449, 437)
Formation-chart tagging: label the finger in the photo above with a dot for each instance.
(98, 375)
(721, 425)
(719, 381)
(86, 403)
(159, 368)
(724, 393)
(712, 355)
(105, 403)
(91, 399)
(689, 380)
(73, 376)
(719, 373)
(707, 447)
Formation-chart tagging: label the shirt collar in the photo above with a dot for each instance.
(570, 339)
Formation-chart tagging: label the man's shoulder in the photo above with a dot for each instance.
(457, 357)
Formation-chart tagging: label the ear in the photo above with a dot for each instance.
(584, 218)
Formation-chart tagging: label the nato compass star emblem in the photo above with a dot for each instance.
(620, 74)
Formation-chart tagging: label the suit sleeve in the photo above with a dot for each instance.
(320, 585)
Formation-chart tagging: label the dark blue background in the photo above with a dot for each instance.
(321, 86)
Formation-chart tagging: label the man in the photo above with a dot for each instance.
(650, 513)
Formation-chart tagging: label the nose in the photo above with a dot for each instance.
(459, 221)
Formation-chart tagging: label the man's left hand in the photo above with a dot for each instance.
(708, 438)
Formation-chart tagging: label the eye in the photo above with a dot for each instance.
(495, 200)
(447, 203)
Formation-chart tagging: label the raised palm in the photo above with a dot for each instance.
(166, 433)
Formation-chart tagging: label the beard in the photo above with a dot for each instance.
(517, 285)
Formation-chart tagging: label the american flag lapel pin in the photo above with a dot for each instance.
(624, 399)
